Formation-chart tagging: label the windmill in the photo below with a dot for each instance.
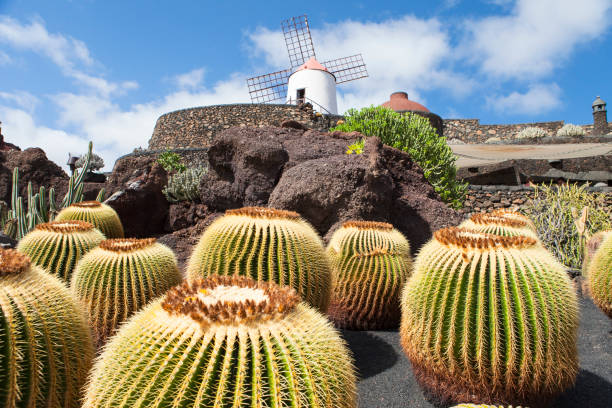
(307, 80)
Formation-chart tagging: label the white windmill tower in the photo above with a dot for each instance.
(307, 80)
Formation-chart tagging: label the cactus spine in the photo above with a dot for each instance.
(226, 341)
(119, 277)
(489, 319)
(370, 263)
(591, 248)
(45, 345)
(504, 223)
(58, 245)
(100, 215)
(267, 245)
(600, 276)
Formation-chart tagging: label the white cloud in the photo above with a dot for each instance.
(539, 98)
(22, 99)
(536, 37)
(190, 80)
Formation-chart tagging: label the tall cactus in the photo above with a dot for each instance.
(490, 319)
(45, 345)
(370, 262)
(100, 215)
(267, 245)
(226, 341)
(600, 276)
(58, 245)
(501, 224)
(119, 277)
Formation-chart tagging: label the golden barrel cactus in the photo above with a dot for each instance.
(58, 245)
(226, 341)
(102, 216)
(503, 224)
(514, 215)
(591, 247)
(370, 262)
(490, 319)
(45, 345)
(600, 276)
(119, 277)
(268, 245)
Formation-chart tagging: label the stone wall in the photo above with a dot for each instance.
(196, 127)
(472, 131)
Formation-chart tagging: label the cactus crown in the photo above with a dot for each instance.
(368, 225)
(263, 212)
(13, 262)
(500, 219)
(230, 300)
(466, 239)
(87, 204)
(65, 227)
(126, 244)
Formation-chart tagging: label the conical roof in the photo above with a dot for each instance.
(399, 102)
(312, 63)
(598, 102)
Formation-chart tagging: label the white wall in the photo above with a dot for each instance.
(320, 87)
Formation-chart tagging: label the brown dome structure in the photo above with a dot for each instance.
(399, 102)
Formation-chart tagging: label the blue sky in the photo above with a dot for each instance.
(72, 71)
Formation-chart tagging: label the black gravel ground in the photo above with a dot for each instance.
(387, 379)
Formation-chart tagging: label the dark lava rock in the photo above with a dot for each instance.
(185, 214)
(7, 242)
(294, 124)
(245, 163)
(382, 184)
(136, 185)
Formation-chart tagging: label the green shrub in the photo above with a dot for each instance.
(554, 210)
(185, 186)
(531, 133)
(171, 161)
(570, 130)
(415, 135)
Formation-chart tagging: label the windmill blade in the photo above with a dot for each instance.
(347, 68)
(269, 87)
(298, 40)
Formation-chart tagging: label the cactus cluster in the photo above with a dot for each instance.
(600, 276)
(45, 345)
(102, 216)
(226, 341)
(507, 224)
(119, 277)
(58, 245)
(370, 262)
(268, 245)
(490, 319)
(185, 185)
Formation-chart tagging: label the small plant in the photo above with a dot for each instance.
(371, 262)
(570, 130)
(57, 246)
(554, 210)
(490, 319)
(95, 164)
(415, 135)
(600, 276)
(102, 216)
(46, 349)
(531, 133)
(356, 148)
(119, 277)
(171, 162)
(267, 245)
(185, 186)
(225, 342)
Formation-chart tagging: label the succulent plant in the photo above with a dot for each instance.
(504, 224)
(370, 262)
(58, 245)
(591, 247)
(489, 319)
(100, 215)
(45, 345)
(267, 245)
(600, 276)
(225, 341)
(119, 277)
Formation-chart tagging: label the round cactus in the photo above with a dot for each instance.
(45, 345)
(591, 248)
(514, 215)
(370, 262)
(119, 277)
(600, 276)
(268, 245)
(225, 341)
(58, 245)
(100, 215)
(502, 224)
(489, 319)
